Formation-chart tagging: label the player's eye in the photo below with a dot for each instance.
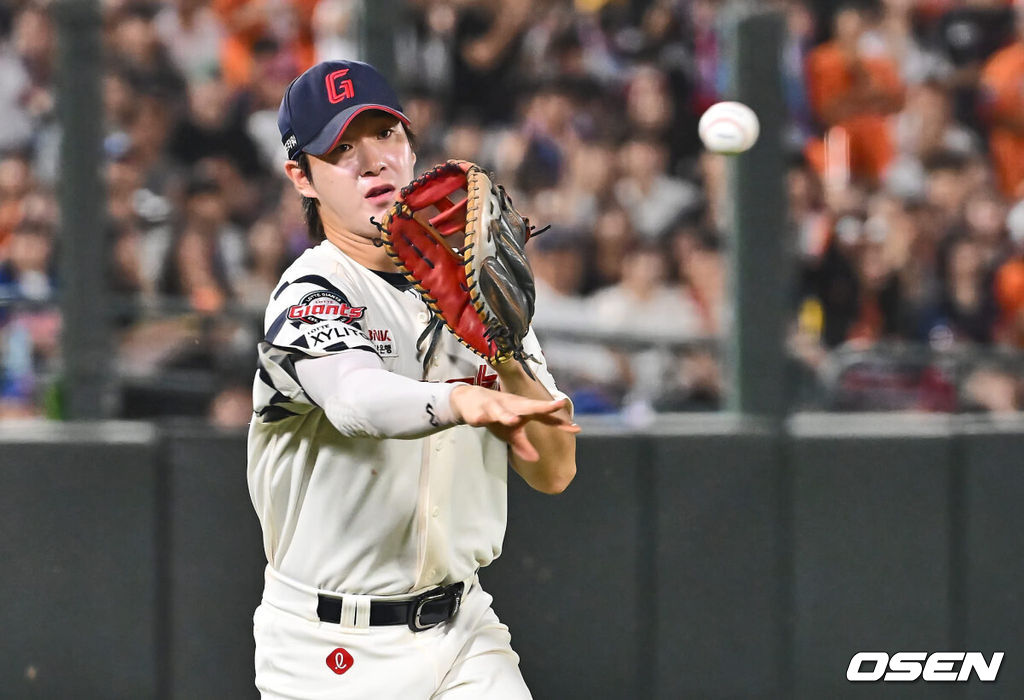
(342, 149)
(386, 133)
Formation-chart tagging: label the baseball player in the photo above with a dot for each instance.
(379, 471)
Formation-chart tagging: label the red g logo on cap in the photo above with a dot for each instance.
(339, 660)
(338, 89)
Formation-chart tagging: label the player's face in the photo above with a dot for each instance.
(362, 176)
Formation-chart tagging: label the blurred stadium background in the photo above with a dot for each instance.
(801, 371)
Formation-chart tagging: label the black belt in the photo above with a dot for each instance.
(428, 609)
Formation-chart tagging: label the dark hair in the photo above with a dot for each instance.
(310, 209)
(310, 206)
(946, 159)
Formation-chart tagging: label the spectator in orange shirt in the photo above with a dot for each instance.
(249, 21)
(1002, 81)
(856, 92)
(15, 183)
(1009, 284)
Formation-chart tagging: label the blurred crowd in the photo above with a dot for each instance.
(905, 167)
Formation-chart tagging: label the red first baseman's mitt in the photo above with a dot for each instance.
(455, 234)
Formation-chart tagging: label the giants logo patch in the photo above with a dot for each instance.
(338, 89)
(321, 305)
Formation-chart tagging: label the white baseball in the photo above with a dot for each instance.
(729, 128)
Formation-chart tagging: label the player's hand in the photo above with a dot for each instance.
(506, 415)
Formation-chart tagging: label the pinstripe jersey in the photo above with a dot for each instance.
(360, 514)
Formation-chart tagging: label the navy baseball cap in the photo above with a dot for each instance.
(321, 102)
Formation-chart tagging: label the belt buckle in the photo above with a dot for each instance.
(421, 619)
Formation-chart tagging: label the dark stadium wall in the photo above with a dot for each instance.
(719, 560)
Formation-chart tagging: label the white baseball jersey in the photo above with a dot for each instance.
(365, 515)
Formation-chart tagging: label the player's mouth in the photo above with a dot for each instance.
(381, 194)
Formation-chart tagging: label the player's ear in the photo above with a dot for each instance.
(302, 184)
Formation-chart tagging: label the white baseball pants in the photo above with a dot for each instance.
(297, 656)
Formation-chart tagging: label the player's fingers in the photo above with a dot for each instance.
(495, 411)
(552, 406)
(561, 422)
(563, 425)
(534, 409)
(510, 419)
(522, 446)
(555, 419)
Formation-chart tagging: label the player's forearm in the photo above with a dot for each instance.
(362, 399)
(556, 467)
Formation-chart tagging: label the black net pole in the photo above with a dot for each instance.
(761, 274)
(82, 246)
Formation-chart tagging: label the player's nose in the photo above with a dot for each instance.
(371, 160)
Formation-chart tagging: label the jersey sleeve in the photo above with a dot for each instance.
(538, 364)
(277, 393)
(310, 316)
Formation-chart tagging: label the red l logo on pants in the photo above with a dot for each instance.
(339, 660)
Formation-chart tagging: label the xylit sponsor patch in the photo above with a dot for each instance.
(331, 333)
